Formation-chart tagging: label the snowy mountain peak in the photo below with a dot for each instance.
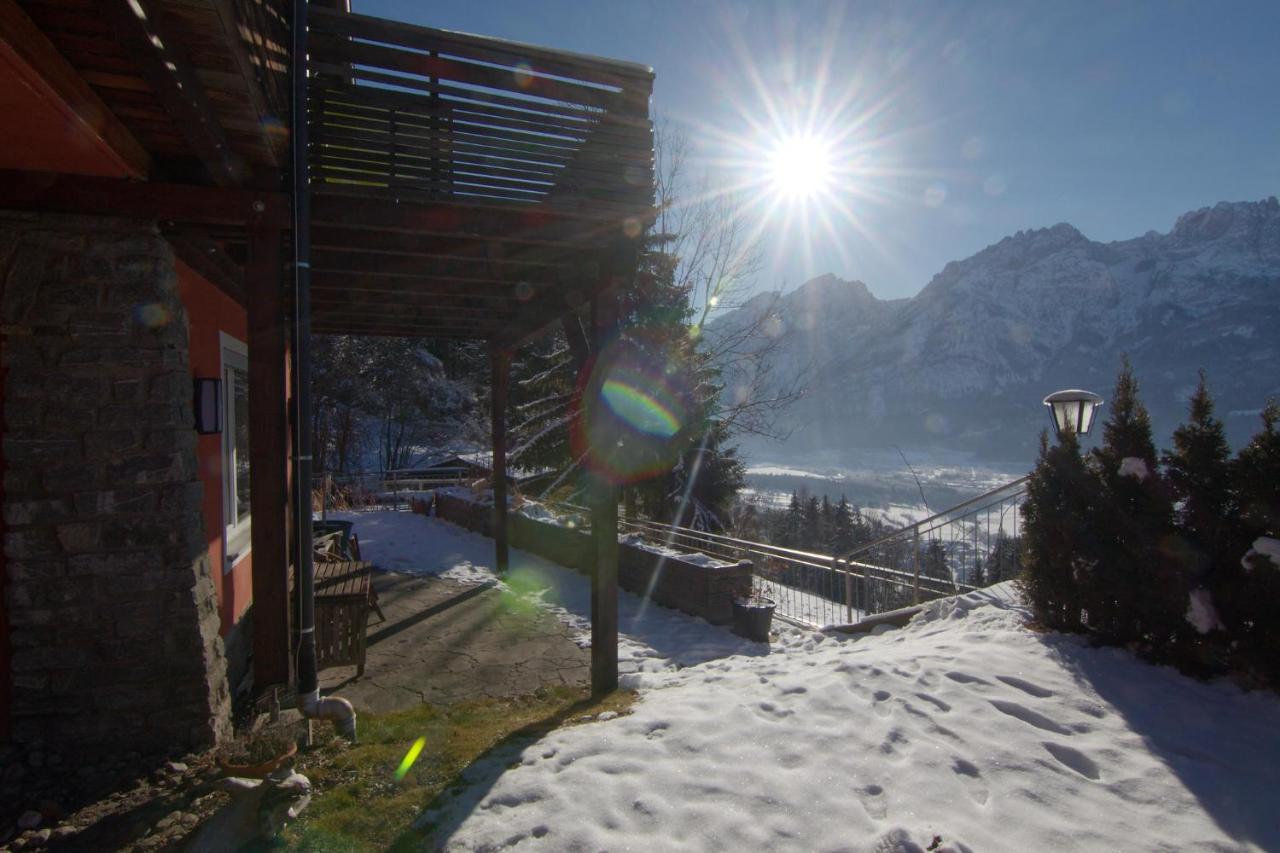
(965, 362)
(1248, 224)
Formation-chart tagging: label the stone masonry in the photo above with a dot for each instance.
(112, 608)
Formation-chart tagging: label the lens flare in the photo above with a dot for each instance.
(410, 757)
(153, 315)
(639, 409)
(635, 411)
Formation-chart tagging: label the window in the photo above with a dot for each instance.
(235, 450)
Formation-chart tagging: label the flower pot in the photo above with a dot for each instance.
(752, 618)
(261, 770)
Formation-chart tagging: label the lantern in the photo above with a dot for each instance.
(1073, 409)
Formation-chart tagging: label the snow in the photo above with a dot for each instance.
(1263, 546)
(964, 725)
(635, 540)
(652, 639)
(1201, 614)
(1134, 466)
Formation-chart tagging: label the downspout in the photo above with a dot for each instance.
(333, 708)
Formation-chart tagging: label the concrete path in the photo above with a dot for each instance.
(444, 642)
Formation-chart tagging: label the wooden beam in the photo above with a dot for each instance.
(604, 527)
(168, 70)
(31, 45)
(500, 372)
(268, 451)
(182, 203)
(206, 257)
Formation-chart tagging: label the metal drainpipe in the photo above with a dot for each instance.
(309, 702)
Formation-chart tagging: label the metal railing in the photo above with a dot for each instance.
(960, 549)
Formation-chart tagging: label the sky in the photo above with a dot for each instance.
(947, 126)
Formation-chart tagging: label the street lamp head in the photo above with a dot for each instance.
(1073, 410)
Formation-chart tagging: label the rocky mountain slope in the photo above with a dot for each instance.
(964, 364)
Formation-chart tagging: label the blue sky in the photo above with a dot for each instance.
(967, 121)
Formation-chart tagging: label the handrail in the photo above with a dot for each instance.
(916, 525)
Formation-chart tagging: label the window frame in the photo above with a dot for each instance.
(236, 533)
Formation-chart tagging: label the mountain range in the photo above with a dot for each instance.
(965, 363)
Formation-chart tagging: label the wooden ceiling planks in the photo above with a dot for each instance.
(91, 36)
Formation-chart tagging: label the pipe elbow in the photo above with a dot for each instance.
(333, 708)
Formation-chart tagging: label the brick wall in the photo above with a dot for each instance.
(706, 591)
(111, 607)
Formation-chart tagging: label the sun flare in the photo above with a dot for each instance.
(800, 166)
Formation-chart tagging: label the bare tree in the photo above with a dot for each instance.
(718, 261)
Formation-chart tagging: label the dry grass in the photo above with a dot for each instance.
(359, 805)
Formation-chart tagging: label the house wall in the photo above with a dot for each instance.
(112, 609)
(211, 312)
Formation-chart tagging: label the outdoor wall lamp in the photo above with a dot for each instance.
(1073, 409)
(208, 406)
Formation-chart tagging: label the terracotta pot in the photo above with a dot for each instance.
(258, 771)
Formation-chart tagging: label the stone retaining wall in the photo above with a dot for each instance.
(706, 591)
(113, 614)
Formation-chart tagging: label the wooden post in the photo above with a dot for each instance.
(500, 369)
(604, 527)
(915, 563)
(848, 591)
(268, 452)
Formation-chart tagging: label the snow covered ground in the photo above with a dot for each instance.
(652, 638)
(964, 725)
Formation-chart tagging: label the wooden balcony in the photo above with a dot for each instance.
(467, 186)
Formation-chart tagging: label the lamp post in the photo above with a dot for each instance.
(1073, 409)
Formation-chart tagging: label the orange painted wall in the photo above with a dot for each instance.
(210, 311)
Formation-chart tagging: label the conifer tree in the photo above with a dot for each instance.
(1138, 592)
(1005, 562)
(1059, 549)
(812, 525)
(844, 535)
(1257, 475)
(826, 524)
(1199, 474)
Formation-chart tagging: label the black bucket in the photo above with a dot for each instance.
(752, 619)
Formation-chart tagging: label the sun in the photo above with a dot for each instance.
(799, 166)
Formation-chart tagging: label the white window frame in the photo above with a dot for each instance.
(236, 537)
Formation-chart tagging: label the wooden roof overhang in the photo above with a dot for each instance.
(466, 186)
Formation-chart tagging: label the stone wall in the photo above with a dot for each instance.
(706, 591)
(113, 615)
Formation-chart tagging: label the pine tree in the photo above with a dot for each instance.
(1138, 592)
(1005, 562)
(1199, 474)
(844, 530)
(826, 524)
(793, 526)
(812, 525)
(1256, 474)
(1059, 549)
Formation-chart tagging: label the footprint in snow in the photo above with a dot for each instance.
(965, 678)
(872, 799)
(878, 700)
(1030, 717)
(972, 778)
(771, 712)
(935, 702)
(895, 743)
(1074, 759)
(1026, 686)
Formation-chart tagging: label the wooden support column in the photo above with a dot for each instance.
(268, 455)
(604, 527)
(500, 368)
